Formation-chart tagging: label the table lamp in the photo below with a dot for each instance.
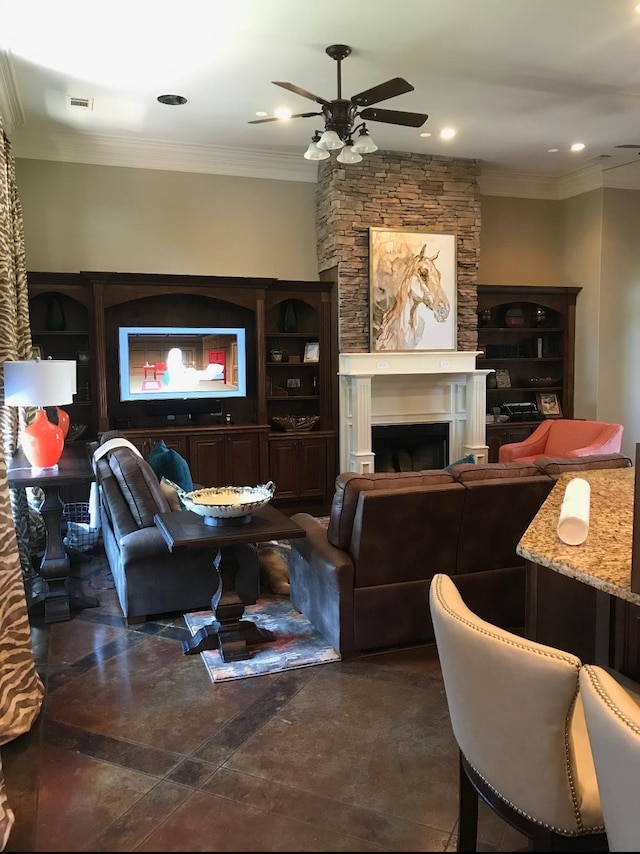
(40, 383)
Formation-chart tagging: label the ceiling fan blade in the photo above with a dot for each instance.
(397, 86)
(628, 146)
(394, 117)
(298, 91)
(278, 119)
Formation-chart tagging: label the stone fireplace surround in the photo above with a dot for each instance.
(417, 193)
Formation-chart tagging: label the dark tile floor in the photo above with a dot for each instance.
(136, 750)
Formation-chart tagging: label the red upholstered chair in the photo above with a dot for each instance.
(563, 437)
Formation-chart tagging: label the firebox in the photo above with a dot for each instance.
(410, 447)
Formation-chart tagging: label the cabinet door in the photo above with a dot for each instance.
(312, 467)
(299, 466)
(503, 434)
(145, 441)
(207, 459)
(242, 459)
(283, 466)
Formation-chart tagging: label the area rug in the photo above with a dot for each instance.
(296, 644)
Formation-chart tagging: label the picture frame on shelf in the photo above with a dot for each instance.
(549, 404)
(37, 352)
(413, 290)
(312, 351)
(503, 378)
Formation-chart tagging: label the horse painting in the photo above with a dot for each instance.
(402, 324)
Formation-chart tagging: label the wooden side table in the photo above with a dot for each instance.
(228, 632)
(57, 592)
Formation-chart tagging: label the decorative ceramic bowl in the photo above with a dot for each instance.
(295, 422)
(228, 502)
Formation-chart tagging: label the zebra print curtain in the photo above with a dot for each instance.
(21, 690)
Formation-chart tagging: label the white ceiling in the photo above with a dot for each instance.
(514, 77)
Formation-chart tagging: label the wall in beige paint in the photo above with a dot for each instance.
(83, 217)
(520, 242)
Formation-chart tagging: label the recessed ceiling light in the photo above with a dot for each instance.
(553, 150)
(425, 134)
(261, 113)
(447, 133)
(577, 146)
(172, 100)
(282, 113)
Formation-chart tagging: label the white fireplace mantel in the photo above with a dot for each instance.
(410, 388)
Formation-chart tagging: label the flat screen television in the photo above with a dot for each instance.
(159, 363)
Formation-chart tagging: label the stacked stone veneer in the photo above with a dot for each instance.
(396, 191)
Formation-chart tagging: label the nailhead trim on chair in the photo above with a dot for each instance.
(595, 681)
(549, 654)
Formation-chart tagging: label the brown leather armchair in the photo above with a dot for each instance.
(564, 437)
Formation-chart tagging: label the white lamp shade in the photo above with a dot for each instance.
(39, 382)
(330, 141)
(364, 144)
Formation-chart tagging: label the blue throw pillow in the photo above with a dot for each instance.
(470, 458)
(168, 463)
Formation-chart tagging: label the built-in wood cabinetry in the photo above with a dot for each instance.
(527, 335)
(241, 443)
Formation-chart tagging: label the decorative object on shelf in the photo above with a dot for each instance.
(276, 355)
(549, 404)
(514, 318)
(82, 357)
(54, 319)
(541, 315)
(484, 317)
(291, 423)
(289, 318)
(492, 381)
(75, 431)
(503, 378)
(37, 352)
(412, 290)
(545, 382)
(312, 352)
(220, 505)
(40, 383)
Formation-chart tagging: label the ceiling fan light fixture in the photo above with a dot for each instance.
(348, 155)
(330, 141)
(364, 144)
(313, 152)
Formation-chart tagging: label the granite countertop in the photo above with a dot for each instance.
(604, 559)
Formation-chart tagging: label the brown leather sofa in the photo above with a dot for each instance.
(149, 579)
(363, 581)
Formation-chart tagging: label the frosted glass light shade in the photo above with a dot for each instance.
(39, 382)
(364, 144)
(348, 155)
(315, 153)
(330, 141)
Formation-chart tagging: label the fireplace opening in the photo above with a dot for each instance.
(410, 447)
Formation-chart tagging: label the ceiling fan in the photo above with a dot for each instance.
(341, 114)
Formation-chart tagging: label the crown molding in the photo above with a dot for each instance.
(102, 150)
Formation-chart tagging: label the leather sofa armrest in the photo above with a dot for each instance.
(143, 544)
(332, 563)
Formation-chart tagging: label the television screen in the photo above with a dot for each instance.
(187, 363)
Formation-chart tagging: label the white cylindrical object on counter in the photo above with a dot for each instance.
(573, 523)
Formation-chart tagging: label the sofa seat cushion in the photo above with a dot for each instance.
(349, 485)
(465, 473)
(555, 466)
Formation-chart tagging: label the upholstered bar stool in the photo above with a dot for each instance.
(519, 723)
(613, 722)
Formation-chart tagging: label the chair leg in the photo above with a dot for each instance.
(467, 811)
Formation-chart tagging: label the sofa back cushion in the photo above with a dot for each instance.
(555, 466)
(465, 473)
(139, 487)
(405, 535)
(497, 512)
(349, 485)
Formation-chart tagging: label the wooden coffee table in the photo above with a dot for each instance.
(228, 632)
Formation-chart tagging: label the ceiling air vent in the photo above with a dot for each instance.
(81, 103)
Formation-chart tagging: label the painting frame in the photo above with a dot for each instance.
(549, 404)
(422, 267)
(312, 351)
